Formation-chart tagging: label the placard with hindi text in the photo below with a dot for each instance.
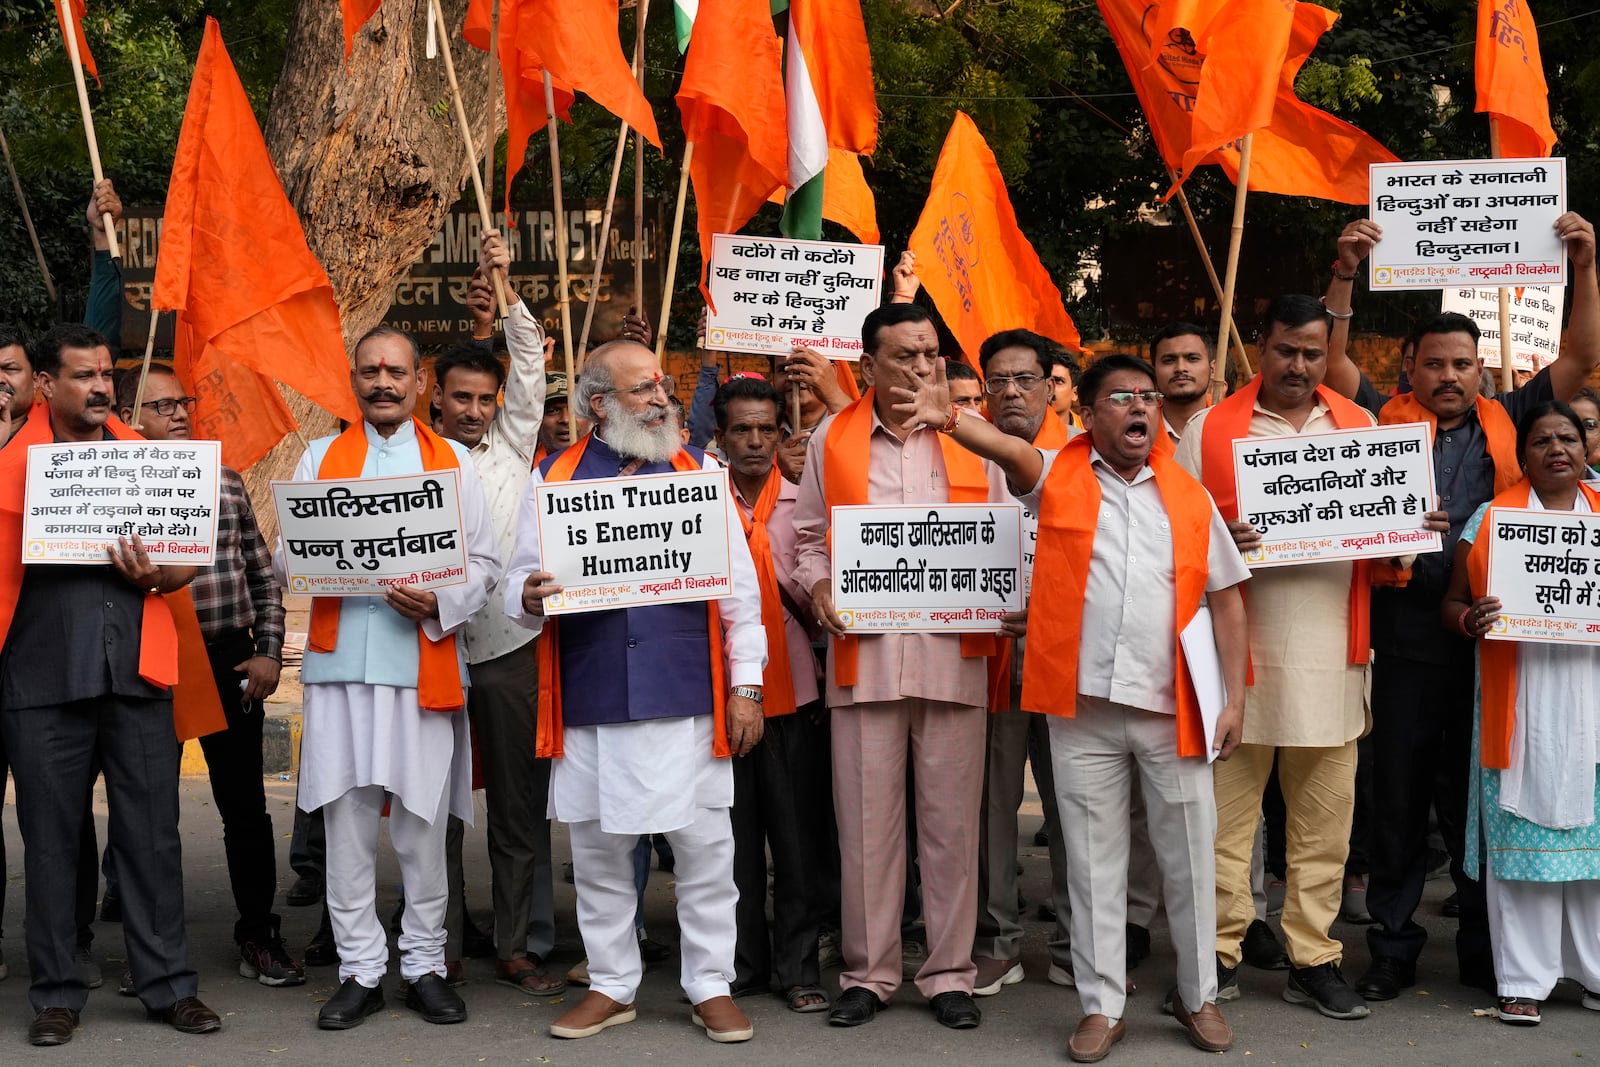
(1544, 566)
(770, 295)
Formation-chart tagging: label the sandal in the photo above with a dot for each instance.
(1508, 1013)
(522, 974)
(806, 999)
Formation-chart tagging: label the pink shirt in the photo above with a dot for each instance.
(781, 536)
(892, 665)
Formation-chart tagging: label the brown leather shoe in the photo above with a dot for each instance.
(1091, 1042)
(52, 1026)
(1208, 1031)
(188, 1016)
(594, 1013)
(525, 974)
(722, 1020)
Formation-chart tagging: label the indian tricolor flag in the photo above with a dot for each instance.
(683, 13)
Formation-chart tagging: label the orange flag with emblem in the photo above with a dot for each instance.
(974, 262)
(1510, 80)
(234, 261)
(78, 13)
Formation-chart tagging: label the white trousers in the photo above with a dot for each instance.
(353, 823)
(1542, 932)
(1096, 756)
(602, 871)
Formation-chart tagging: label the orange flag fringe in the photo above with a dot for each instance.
(974, 262)
(1510, 79)
(78, 13)
(234, 261)
(732, 102)
(355, 14)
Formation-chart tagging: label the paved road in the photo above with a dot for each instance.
(1026, 1024)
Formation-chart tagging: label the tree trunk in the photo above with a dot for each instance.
(371, 159)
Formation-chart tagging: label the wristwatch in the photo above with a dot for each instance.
(749, 692)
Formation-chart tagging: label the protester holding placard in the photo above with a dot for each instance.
(1129, 546)
(1422, 675)
(1533, 820)
(899, 698)
(639, 706)
(385, 684)
(116, 645)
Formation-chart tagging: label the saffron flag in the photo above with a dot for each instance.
(522, 71)
(78, 13)
(354, 14)
(235, 405)
(1510, 80)
(1304, 151)
(974, 262)
(731, 98)
(234, 262)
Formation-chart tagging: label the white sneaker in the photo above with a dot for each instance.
(1059, 975)
(580, 975)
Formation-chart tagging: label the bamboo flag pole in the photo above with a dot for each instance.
(70, 19)
(563, 297)
(27, 221)
(638, 164)
(464, 127)
(1231, 272)
(1211, 272)
(144, 370)
(1508, 379)
(672, 252)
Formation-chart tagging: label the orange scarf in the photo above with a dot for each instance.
(1052, 436)
(548, 743)
(438, 668)
(845, 457)
(1068, 514)
(1229, 421)
(172, 652)
(1497, 660)
(778, 682)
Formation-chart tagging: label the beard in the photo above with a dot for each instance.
(629, 434)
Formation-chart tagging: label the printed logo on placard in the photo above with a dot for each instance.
(1500, 625)
(555, 600)
(847, 619)
(36, 549)
(1381, 276)
(719, 337)
(298, 584)
(1255, 555)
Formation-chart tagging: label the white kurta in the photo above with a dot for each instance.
(358, 733)
(657, 774)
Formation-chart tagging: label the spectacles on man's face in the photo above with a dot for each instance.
(169, 406)
(1122, 398)
(645, 390)
(994, 385)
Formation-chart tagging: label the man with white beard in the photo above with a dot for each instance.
(638, 730)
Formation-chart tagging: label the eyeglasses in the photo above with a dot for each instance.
(647, 389)
(169, 406)
(1145, 396)
(1027, 383)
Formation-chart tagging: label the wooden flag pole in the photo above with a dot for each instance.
(144, 370)
(27, 221)
(563, 297)
(464, 127)
(638, 165)
(1211, 272)
(1508, 379)
(1231, 272)
(672, 252)
(70, 18)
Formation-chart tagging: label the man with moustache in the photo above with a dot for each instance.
(16, 380)
(1423, 675)
(555, 429)
(1184, 359)
(241, 618)
(639, 707)
(111, 637)
(385, 686)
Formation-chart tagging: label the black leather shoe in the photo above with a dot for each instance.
(956, 1010)
(1450, 908)
(1262, 949)
(321, 951)
(1138, 944)
(52, 1026)
(350, 1006)
(1385, 978)
(110, 908)
(306, 891)
(433, 999)
(855, 1006)
(187, 1016)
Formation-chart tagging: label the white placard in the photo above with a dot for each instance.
(1468, 223)
(1544, 566)
(359, 536)
(935, 568)
(770, 295)
(81, 497)
(1341, 494)
(1535, 322)
(633, 542)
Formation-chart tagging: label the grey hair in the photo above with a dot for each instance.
(594, 381)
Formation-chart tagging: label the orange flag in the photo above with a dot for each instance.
(355, 14)
(846, 198)
(233, 260)
(78, 13)
(1510, 80)
(578, 44)
(236, 406)
(982, 274)
(732, 102)
(522, 71)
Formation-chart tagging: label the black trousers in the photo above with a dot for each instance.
(53, 752)
(233, 758)
(1421, 745)
(773, 809)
